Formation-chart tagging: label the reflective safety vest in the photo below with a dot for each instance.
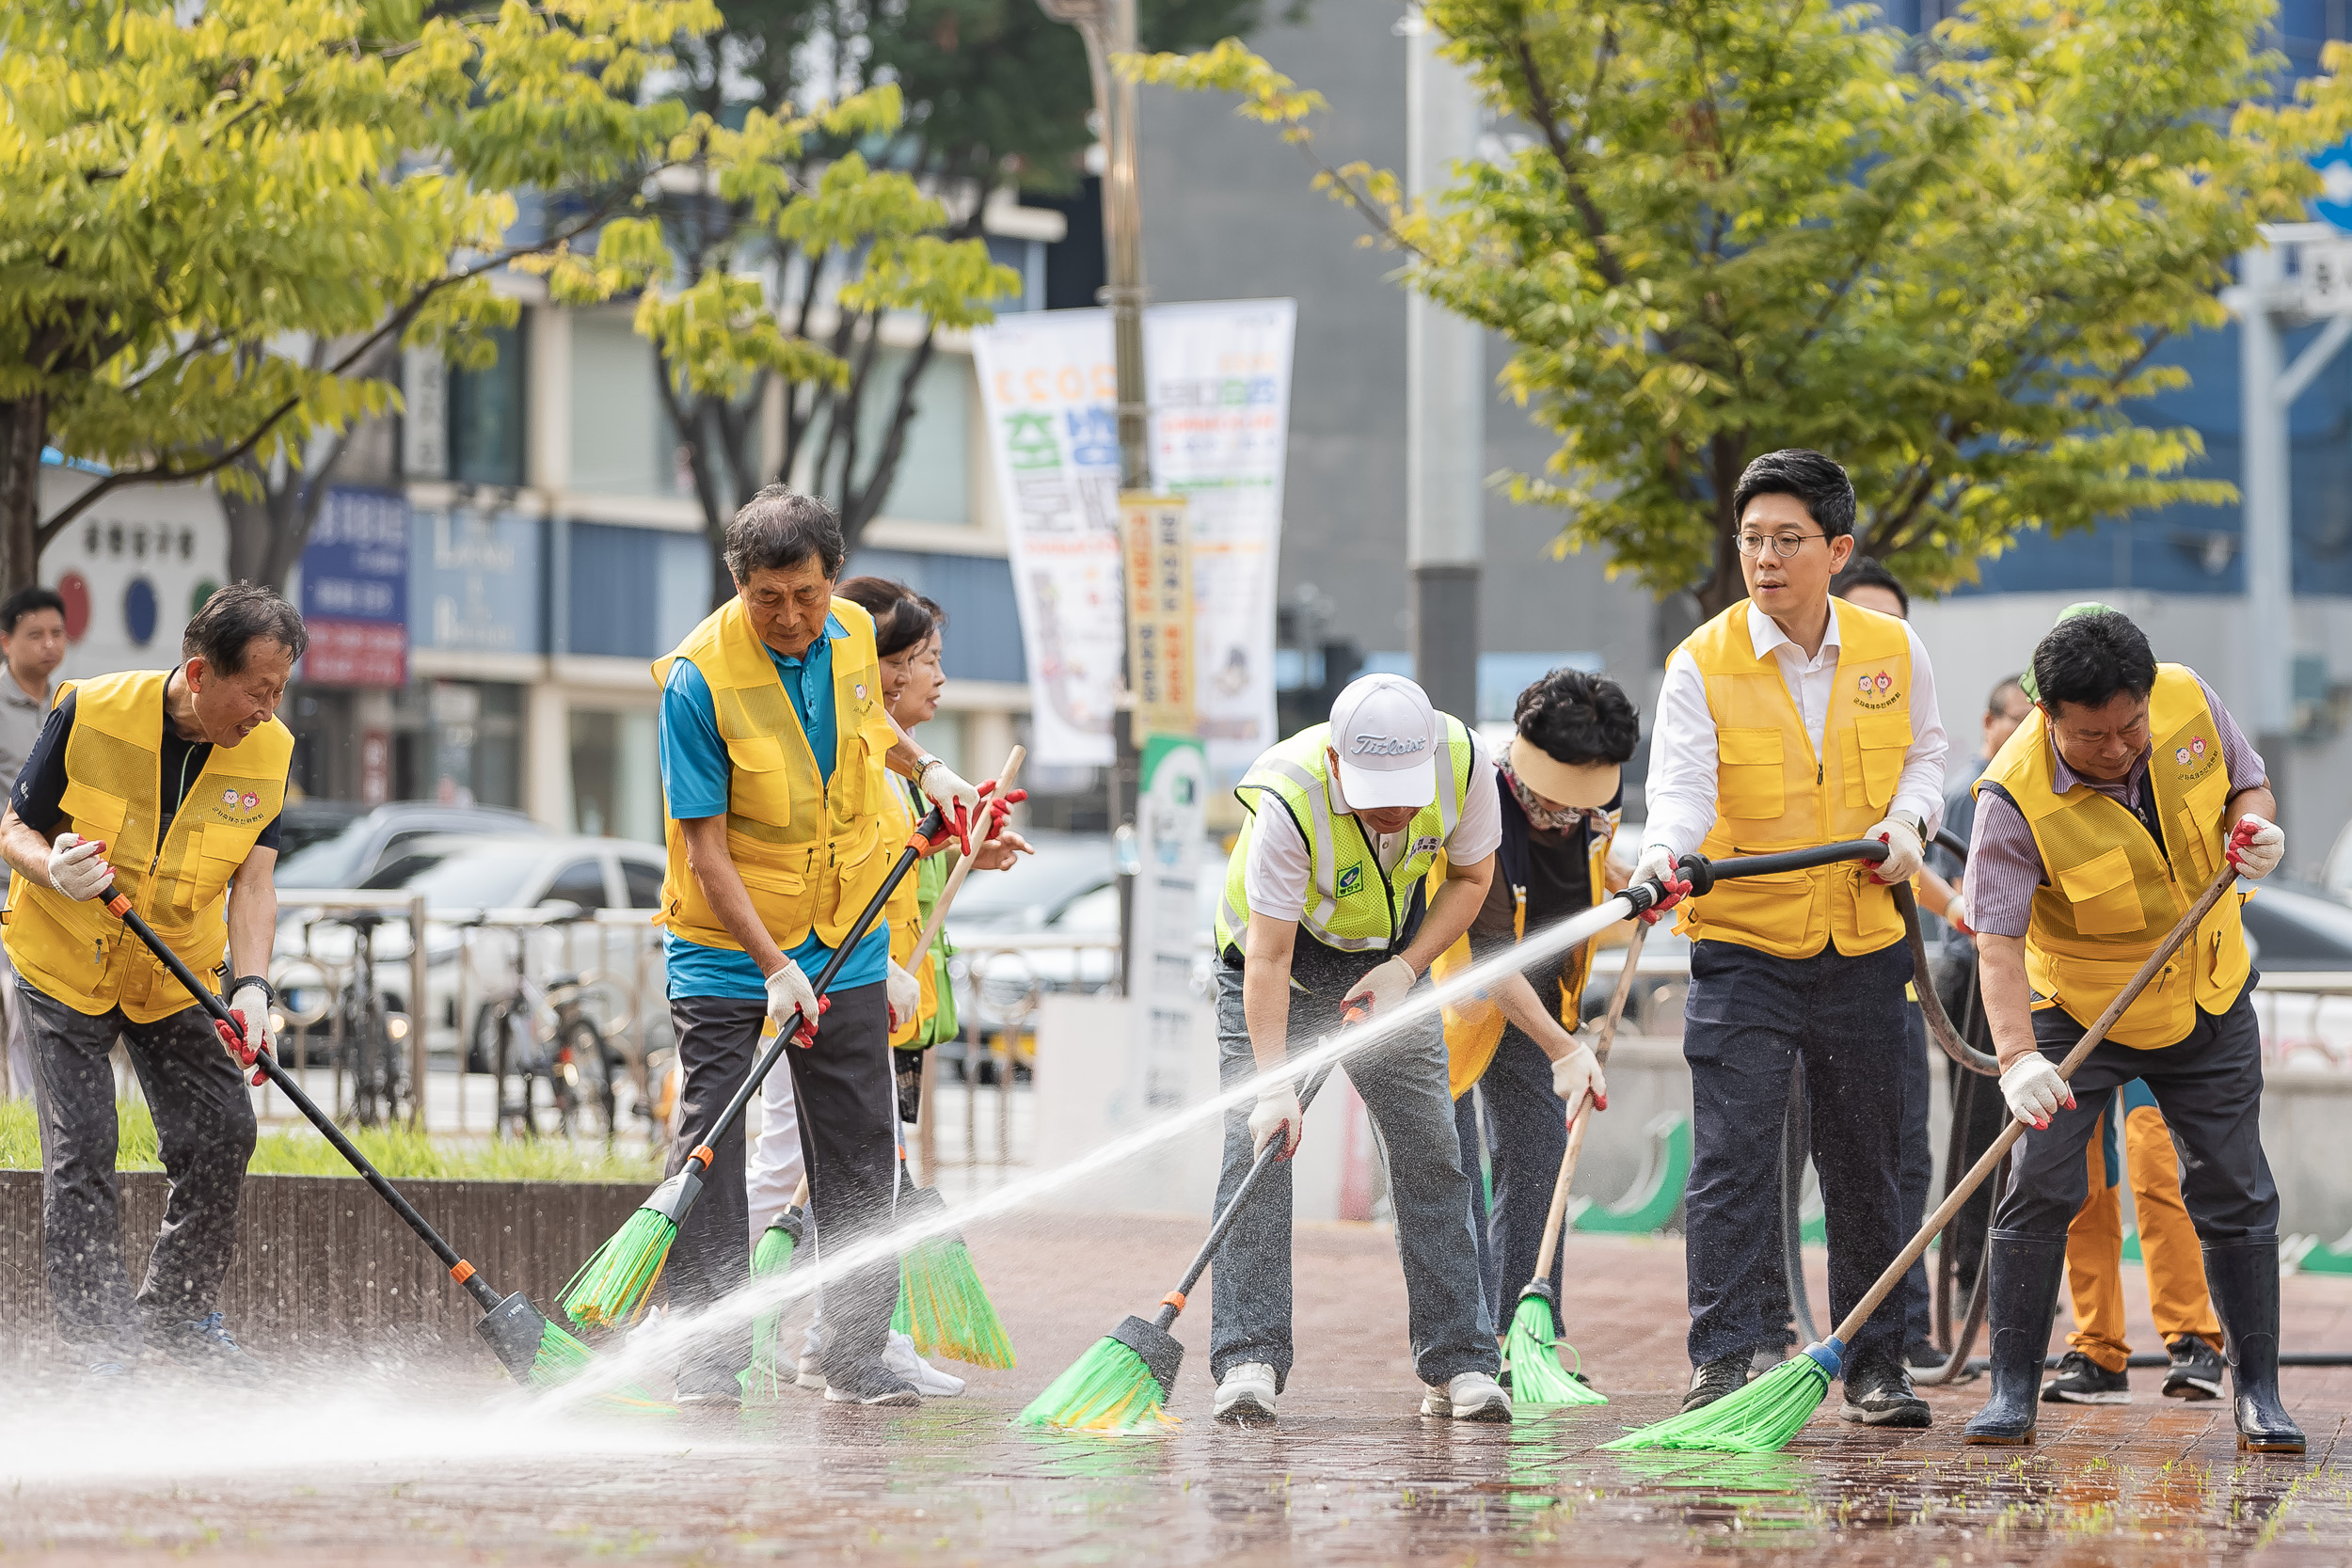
(909, 908)
(1473, 1025)
(1354, 905)
(2112, 893)
(1772, 792)
(811, 852)
(73, 950)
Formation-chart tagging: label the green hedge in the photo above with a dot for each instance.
(397, 1152)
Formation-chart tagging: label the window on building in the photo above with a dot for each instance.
(623, 442)
(616, 775)
(932, 484)
(486, 415)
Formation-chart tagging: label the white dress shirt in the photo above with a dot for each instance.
(1681, 794)
(1274, 878)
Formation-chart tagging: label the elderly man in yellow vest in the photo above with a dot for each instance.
(1325, 905)
(1788, 722)
(167, 785)
(773, 741)
(2127, 791)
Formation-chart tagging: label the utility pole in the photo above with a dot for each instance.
(1108, 28)
(1446, 394)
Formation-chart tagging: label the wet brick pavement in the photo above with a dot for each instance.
(377, 1464)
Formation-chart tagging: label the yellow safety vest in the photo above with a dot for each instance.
(1473, 1025)
(2112, 895)
(73, 950)
(904, 910)
(1353, 905)
(1771, 792)
(811, 852)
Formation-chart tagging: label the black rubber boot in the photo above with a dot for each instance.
(2244, 1278)
(2022, 1298)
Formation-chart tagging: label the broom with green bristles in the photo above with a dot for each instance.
(1530, 1346)
(772, 1256)
(537, 1353)
(1764, 1415)
(1123, 1382)
(610, 1290)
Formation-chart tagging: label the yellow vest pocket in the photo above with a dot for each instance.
(1749, 778)
(2105, 896)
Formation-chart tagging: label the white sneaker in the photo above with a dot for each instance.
(899, 1356)
(810, 1373)
(1245, 1397)
(1467, 1397)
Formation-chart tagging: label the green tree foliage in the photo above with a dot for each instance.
(1723, 227)
(990, 94)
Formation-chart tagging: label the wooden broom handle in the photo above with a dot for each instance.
(2015, 1130)
(963, 869)
(1557, 1221)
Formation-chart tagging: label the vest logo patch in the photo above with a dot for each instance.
(1876, 691)
(1426, 847)
(1351, 881)
(2195, 759)
(234, 803)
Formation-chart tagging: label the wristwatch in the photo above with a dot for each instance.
(269, 992)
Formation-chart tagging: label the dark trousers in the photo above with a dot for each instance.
(843, 1085)
(1525, 1129)
(1977, 1104)
(2209, 1087)
(1913, 1178)
(1750, 1017)
(205, 1128)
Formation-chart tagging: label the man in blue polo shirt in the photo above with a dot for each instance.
(775, 742)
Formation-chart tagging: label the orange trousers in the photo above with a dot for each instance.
(2168, 1240)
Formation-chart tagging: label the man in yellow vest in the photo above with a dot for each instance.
(2123, 794)
(1787, 721)
(1325, 905)
(775, 742)
(168, 786)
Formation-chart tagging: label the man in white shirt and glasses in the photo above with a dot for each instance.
(1791, 721)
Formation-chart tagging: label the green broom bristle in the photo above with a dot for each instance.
(1759, 1419)
(562, 1358)
(1107, 1390)
(772, 1256)
(944, 1307)
(610, 1290)
(1536, 1376)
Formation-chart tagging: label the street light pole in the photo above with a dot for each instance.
(1108, 28)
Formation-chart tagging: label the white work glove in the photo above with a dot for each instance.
(1382, 988)
(2034, 1090)
(250, 1004)
(1576, 1074)
(1656, 865)
(958, 801)
(792, 1003)
(1902, 851)
(1956, 916)
(1276, 1114)
(906, 997)
(2256, 847)
(77, 866)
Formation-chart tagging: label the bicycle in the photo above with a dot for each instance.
(380, 1091)
(553, 1066)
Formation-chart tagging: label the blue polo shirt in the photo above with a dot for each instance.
(694, 782)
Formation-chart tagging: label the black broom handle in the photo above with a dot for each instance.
(461, 1270)
(930, 831)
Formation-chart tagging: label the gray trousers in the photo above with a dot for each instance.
(204, 1125)
(1403, 1081)
(2209, 1086)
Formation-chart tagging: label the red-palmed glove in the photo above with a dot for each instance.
(2256, 847)
(1657, 863)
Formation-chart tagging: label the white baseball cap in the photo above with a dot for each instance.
(1387, 737)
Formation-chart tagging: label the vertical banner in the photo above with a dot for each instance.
(1158, 545)
(1218, 377)
(1163, 942)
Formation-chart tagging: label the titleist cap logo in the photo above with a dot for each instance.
(1387, 744)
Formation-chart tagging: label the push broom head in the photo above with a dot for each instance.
(1759, 1419)
(539, 1355)
(610, 1290)
(1121, 1384)
(942, 1303)
(1536, 1377)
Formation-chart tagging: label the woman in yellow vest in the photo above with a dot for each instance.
(2123, 794)
(1558, 790)
(776, 750)
(168, 785)
(1791, 721)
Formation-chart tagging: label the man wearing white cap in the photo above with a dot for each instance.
(1326, 905)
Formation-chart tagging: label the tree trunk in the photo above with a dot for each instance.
(23, 430)
(1726, 455)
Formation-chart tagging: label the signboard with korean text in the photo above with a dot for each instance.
(354, 591)
(1158, 552)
